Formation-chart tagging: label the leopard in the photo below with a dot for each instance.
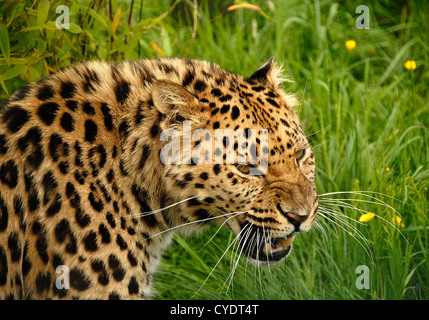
(88, 205)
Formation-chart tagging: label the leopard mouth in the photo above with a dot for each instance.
(267, 249)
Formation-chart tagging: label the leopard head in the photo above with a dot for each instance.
(235, 148)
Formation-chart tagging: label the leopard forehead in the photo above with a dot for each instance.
(243, 104)
(227, 101)
(231, 101)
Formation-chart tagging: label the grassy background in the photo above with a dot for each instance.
(366, 115)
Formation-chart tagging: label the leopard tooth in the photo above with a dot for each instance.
(287, 242)
(267, 249)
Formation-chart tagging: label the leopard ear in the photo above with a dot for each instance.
(177, 103)
(169, 97)
(268, 74)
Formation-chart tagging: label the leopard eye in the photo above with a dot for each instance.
(299, 154)
(243, 168)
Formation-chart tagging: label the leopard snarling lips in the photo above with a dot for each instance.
(263, 249)
(278, 245)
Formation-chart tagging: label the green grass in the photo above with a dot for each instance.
(365, 114)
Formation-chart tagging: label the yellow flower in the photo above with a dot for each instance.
(410, 65)
(399, 222)
(387, 169)
(350, 45)
(366, 217)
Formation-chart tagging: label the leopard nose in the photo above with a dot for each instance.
(293, 217)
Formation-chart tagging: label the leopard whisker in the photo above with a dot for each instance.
(364, 194)
(342, 204)
(360, 200)
(255, 243)
(220, 227)
(258, 265)
(342, 218)
(266, 243)
(220, 259)
(251, 240)
(339, 203)
(339, 213)
(339, 225)
(363, 242)
(148, 213)
(318, 145)
(246, 252)
(318, 226)
(361, 193)
(235, 260)
(316, 132)
(196, 221)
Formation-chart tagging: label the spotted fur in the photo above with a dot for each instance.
(79, 161)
